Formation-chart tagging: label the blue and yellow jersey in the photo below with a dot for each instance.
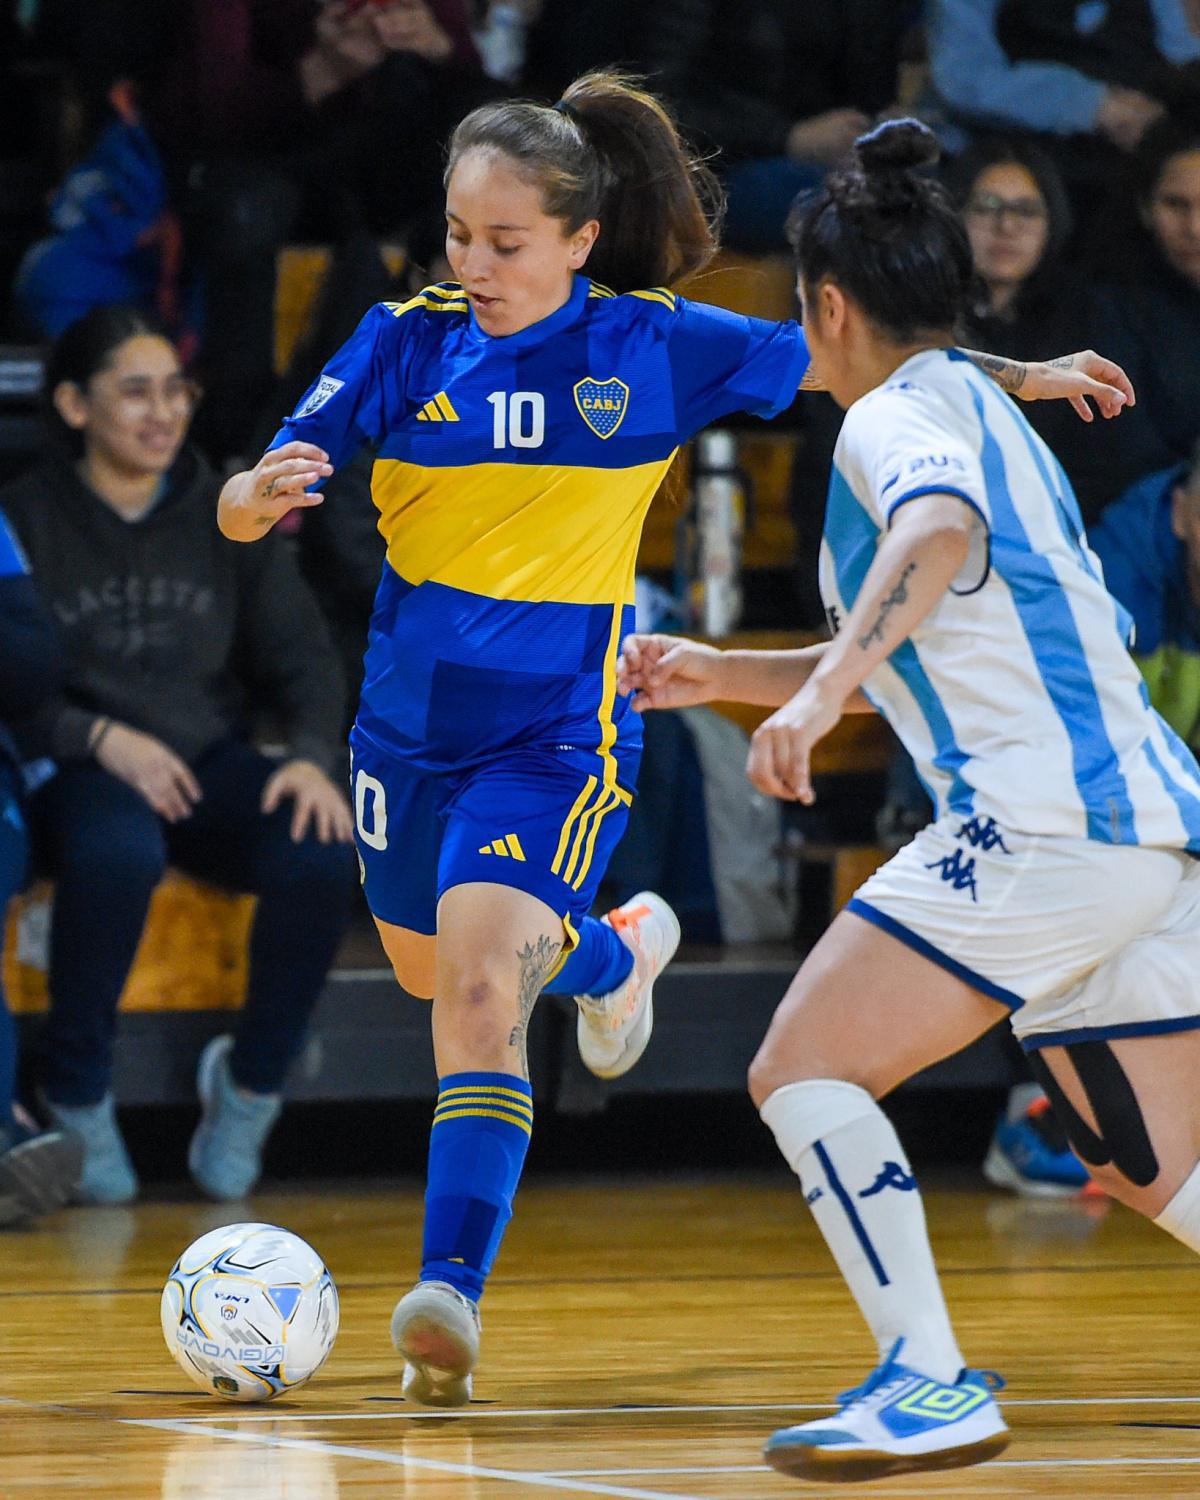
(512, 479)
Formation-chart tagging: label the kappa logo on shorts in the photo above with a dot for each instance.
(958, 870)
(602, 404)
(324, 390)
(982, 833)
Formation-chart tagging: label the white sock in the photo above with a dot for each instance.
(864, 1198)
(1181, 1217)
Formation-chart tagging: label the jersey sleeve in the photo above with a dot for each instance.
(904, 447)
(722, 362)
(346, 404)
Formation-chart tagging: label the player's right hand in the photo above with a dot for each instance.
(251, 502)
(666, 671)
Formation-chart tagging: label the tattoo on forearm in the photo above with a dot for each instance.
(1009, 374)
(899, 595)
(536, 961)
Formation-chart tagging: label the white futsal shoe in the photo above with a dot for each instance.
(897, 1421)
(436, 1329)
(614, 1029)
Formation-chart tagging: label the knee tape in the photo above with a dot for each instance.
(1122, 1138)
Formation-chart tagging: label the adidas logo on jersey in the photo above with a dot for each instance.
(438, 409)
(509, 845)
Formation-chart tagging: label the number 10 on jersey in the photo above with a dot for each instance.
(518, 419)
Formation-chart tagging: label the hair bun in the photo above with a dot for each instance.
(896, 146)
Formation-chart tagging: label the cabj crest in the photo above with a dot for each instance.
(602, 404)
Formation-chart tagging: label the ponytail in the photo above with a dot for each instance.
(609, 151)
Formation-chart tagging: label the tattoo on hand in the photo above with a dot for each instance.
(536, 962)
(1063, 362)
(1009, 374)
(264, 520)
(899, 595)
(269, 488)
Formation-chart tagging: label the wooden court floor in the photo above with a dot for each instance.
(641, 1339)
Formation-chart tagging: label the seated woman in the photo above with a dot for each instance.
(173, 638)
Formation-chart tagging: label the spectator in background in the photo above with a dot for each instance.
(173, 637)
(1149, 317)
(1149, 543)
(780, 90)
(37, 1170)
(1088, 77)
(286, 121)
(1019, 222)
(114, 236)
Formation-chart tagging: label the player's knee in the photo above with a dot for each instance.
(478, 1004)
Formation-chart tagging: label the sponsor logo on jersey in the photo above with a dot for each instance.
(602, 404)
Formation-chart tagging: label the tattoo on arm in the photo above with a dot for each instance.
(1009, 374)
(898, 596)
(1063, 362)
(536, 960)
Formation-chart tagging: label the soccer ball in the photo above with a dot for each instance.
(249, 1311)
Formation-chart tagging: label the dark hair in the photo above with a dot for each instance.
(995, 151)
(1164, 140)
(888, 235)
(609, 151)
(81, 351)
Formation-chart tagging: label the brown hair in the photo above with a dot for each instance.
(611, 151)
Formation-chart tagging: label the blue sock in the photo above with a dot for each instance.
(599, 962)
(477, 1147)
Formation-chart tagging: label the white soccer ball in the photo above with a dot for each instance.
(249, 1311)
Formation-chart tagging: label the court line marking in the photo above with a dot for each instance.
(995, 1463)
(470, 1414)
(410, 1461)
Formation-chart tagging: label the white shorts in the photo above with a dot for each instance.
(1079, 939)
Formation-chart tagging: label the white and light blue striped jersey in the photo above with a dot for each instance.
(1016, 696)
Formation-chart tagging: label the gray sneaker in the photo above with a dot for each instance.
(38, 1173)
(107, 1176)
(225, 1155)
(436, 1329)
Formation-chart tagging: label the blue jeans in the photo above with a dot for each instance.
(14, 849)
(106, 850)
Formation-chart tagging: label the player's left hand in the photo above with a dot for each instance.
(1076, 377)
(781, 748)
(318, 801)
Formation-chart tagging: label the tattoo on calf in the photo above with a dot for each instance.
(536, 960)
(899, 595)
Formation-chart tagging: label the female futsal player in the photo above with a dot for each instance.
(1055, 883)
(524, 417)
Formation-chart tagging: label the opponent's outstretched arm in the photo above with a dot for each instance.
(1071, 377)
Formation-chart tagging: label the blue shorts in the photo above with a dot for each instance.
(540, 821)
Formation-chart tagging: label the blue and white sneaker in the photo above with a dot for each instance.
(107, 1175)
(1029, 1150)
(897, 1421)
